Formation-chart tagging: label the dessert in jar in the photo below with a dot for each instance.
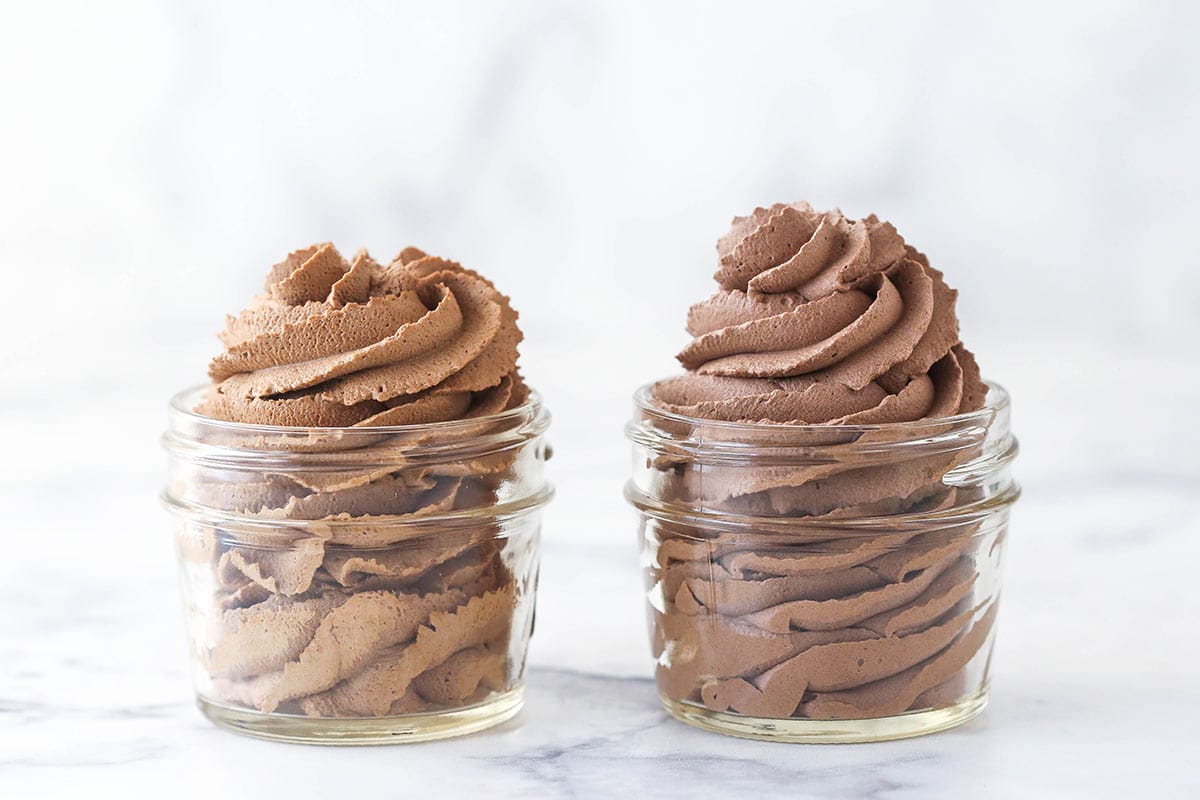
(824, 493)
(356, 498)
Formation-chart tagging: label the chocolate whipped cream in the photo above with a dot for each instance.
(818, 320)
(330, 595)
(823, 319)
(333, 342)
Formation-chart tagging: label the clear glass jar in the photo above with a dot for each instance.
(358, 585)
(822, 583)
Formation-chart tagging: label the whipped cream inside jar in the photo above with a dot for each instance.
(357, 499)
(823, 496)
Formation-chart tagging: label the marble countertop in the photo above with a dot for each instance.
(586, 156)
(1094, 683)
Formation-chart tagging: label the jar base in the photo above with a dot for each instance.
(297, 729)
(824, 731)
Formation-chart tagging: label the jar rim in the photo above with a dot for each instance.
(978, 443)
(439, 522)
(786, 527)
(182, 405)
(235, 452)
(997, 401)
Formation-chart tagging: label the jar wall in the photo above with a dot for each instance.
(302, 622)
(358, 585)
(831, 625)
(822, 583)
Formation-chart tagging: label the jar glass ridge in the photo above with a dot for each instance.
(358, 585)
(822, 582)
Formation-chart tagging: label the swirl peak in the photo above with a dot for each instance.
(818, 319)
(337, 342)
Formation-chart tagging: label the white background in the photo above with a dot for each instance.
(157, 158)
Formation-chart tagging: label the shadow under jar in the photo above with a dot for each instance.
(822, 583)
(358, 585)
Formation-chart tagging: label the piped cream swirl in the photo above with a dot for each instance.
(823, 319)
(363, 617)
(333, 342)
(818, 319)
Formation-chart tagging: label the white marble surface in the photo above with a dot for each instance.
(157, 157)
(1095, 672)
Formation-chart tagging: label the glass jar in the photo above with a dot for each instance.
(358, 585)
(822, 583)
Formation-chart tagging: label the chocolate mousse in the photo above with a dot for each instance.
(340, 604)
(818, 320)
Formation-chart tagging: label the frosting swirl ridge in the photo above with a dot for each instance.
(823, 319)
(333, 342)
(363, 573)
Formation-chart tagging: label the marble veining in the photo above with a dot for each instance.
(93, 689)
(1094, 691)
(586, 157)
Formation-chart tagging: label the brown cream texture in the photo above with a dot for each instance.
(334, 343)
(823, 319)
(819, 319)
(358, 618)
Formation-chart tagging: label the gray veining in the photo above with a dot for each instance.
(158, 157)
